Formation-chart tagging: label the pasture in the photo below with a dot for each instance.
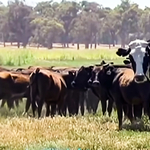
(65, 133)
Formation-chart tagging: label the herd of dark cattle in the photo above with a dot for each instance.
(61, 89)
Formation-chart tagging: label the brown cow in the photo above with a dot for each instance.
(50, 88)
(13, 86)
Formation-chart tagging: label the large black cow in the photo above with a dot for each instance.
(121, 84)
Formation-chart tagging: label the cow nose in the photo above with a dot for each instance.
(139, 78)
(90, 81)
(73, 83)
(96, 83)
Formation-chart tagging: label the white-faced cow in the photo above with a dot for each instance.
(139, 57)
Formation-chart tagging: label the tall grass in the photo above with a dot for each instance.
(21, 57)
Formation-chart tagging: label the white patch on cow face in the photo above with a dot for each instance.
(138, 54)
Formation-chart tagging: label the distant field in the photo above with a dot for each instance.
(14, 57)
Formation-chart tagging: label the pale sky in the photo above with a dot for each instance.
(104, 3)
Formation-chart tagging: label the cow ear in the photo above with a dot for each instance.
(70, 72)
(126, 62)
(105, 66)
(103, 62)
(91, 67)
(148, 50)
(123, 52)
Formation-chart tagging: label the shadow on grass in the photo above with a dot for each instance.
(138, 126)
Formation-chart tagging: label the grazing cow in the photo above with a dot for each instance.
(50, 87)
(139, 57)
(123, 88)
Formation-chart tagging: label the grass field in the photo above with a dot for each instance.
(65, 133)
(57, 57)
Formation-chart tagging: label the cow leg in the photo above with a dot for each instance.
(110, 106)
(119, 113)
(40, 105)
(103, 103)
(95, 106)
(10, 103)
(17, 102)
(130, 113)
(33, 108)
(3, 102)
(47, 109)
(28, 102)
(125, 110)
(138, 111)
(61, 108)
(82, 104)
(53, 110)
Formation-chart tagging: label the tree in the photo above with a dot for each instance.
(67, 11)
(46, 31)
(19, 18)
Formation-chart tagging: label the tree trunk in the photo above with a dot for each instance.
(86, 45)
(50, 46)
(95, 41)
(38, 46)
(78, 46)
(123, 42)
(18, 44)
(95, 45)
(4, 44)
(91, 46)
(113, 38)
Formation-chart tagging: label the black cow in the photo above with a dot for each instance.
(122, 87)
(81, 82)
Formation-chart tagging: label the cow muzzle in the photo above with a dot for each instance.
(140, 78)
(96, 83)
(73, 83)
(89, 81)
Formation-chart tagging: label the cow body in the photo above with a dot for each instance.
(124, 89)
(13, 86)
(49, 86)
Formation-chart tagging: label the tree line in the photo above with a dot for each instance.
(71, 22)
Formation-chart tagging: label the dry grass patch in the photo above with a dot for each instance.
(90, 132)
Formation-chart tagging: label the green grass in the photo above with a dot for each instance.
(87, 133)
(58, 57)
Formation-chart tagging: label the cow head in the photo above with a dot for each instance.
(82, 77)
(139, 56)
(102, 75)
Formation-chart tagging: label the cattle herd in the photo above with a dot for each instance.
(67, 89)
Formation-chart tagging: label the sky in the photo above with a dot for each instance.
(104, 3)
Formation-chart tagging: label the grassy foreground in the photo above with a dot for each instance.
(69, 133)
